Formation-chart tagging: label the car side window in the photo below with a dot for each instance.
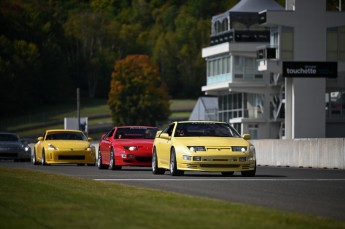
(169, 129)
(109, 134)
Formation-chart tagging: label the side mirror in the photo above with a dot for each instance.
(90, 139)
(40, 138)
(158, 133)
(246, 136)
(165, 136)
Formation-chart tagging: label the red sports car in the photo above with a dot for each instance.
(126, 146)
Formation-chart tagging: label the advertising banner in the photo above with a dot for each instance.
(310, 69)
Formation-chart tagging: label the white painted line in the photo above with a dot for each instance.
(217, 179)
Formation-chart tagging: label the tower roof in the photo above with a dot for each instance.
(256, 6)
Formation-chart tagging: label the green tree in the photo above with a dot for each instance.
(92, 46)
(137, 95)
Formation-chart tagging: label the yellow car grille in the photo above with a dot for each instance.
(218, 166)
(71, 157)
(245, 166)
(222, 158)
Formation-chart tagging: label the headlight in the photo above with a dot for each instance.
(90, 148)
(196, 148)
(131, 148)
(251, 153)
(252, 149)
(26, 148)
(239, 148)
(51, 147)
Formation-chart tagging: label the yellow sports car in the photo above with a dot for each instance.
(64, 147)
(202, 146)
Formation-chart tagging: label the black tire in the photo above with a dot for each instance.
(33, 158)
(112, 162)
(250, 173)
(227, 174)
(43, 162)
(99, 161)
(155, 169)
(173, 165)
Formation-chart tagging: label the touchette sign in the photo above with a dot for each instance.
(310, 69)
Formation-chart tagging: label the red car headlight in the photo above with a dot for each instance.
(131, 148)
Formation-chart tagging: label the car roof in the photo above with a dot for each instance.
(8, 133)
(199, 121)
(63, 130)
(135, 127)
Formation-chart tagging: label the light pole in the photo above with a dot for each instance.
(78, 108)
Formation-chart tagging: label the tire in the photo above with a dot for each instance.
(33, 158)
(155, 169)
(250, 173)
(227, 174)
(112, 163)
(173, 165)
(99, 161)
(44, 162)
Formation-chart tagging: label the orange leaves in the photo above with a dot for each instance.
(137, 95)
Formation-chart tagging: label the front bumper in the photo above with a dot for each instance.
(70, 157)
(221, 163)
(215, 167)
(15, 154)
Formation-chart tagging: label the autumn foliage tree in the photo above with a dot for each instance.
(137, 95)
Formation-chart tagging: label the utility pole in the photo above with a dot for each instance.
(78, 108)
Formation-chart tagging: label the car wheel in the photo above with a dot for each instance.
(155, 169)
(44, 162)
(112, 162)
(99, 161)
(33, 158)
(173, 165)
(250, 173)
(227, 174)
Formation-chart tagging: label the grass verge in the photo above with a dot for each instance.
(31, 199)
(26, 125)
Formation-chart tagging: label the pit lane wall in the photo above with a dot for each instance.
(308, 153)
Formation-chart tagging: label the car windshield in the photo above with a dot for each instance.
(205, 129)
(66, 136)
(8, 138)
(136, 133)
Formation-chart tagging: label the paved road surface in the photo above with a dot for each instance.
(317, 192)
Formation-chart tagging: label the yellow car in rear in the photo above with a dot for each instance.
(61, 146)
(206, 146)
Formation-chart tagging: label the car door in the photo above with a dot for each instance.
(163, 146)
(105, 146)
(39, 147)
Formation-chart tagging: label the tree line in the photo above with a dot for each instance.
(48, 48)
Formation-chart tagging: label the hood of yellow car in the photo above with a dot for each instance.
(62, 144)
(212, 141)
